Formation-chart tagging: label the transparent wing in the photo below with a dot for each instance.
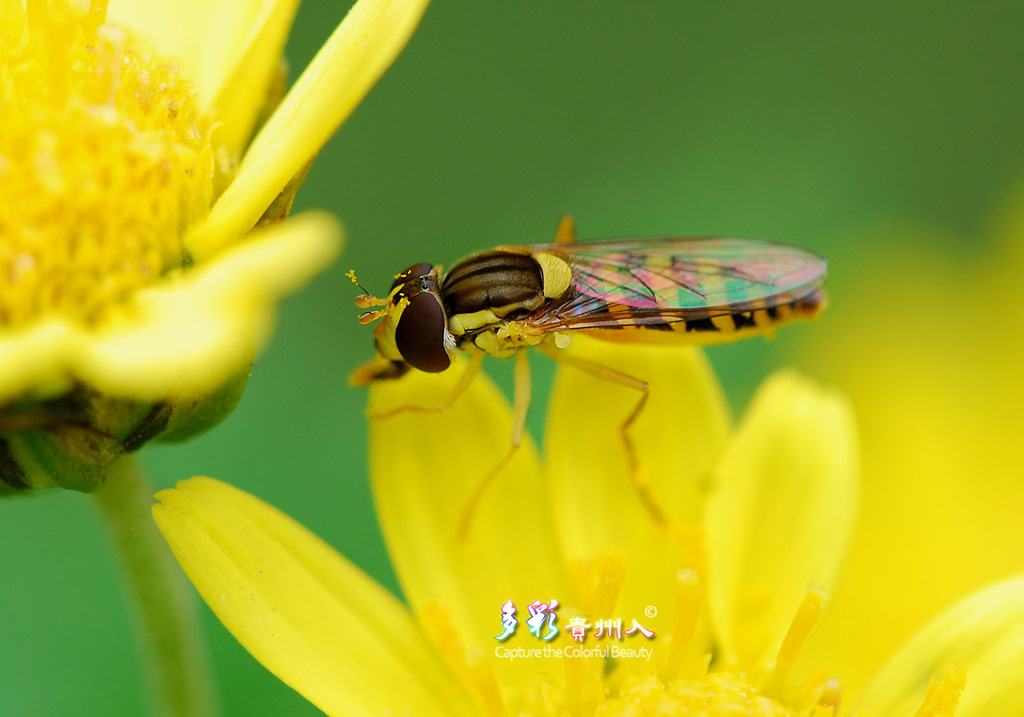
(660, 281)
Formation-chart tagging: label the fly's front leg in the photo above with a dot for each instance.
(636, 472)
(464, 380)
(520, 407)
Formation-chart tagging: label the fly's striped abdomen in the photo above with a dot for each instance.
(634, 326)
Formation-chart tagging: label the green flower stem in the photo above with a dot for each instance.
(167, 620)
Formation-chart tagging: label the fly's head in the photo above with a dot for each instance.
(413, 329)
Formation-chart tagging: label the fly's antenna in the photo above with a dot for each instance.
(366, 300)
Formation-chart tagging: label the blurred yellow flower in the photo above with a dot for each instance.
(924, 337)
(140, 144)
(775, 500)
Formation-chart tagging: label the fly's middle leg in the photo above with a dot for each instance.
(636, 470)
(520, 407)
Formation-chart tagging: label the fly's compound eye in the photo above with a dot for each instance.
(419, 335)
(413, 272)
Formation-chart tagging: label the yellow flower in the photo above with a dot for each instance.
(924, 336)
(774, 499)
(139, 146)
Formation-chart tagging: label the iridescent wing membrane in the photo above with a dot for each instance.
(661, 281)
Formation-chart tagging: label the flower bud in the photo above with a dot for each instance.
(70, 441)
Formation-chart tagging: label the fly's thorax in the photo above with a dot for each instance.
(503, 281)
(485, 290)
(556, 272)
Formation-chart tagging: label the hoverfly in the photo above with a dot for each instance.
(680, 290)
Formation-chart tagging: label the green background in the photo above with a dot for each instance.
(812, 123)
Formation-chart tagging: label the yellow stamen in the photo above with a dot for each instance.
(831, 696)
(598, 582)
(943, 695)
(477, 671)
(719, 694)
(776, 680)
(104, 161)
(693, 542)
(584, 688)
(681, 684)
(689, 596)
(610, 573)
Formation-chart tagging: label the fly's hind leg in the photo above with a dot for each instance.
(636, 471)
(465, 379)
(520, 406)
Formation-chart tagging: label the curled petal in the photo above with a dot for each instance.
(308, 615)
(983, 636)
(678, 437)
(354, 58)
(424, 467)
(240, 60)
(781, 512)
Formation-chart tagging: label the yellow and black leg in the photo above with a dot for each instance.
(636, 470)
(566, 233)
(520, 407)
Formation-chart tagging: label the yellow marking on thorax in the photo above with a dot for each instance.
(461, 323)
(556, 273)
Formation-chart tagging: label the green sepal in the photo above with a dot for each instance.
(65, 456)
(19, 471)
(68, 442)
(191, 416)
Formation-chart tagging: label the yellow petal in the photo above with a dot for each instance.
(982, 635)
(184, 335)
(307, 614)
(678, 437)
(354, 58)
(424, 468)
(939, 424)
(780, 514)
(239, 67)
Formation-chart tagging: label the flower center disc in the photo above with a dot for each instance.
(104, 161)
(720, 693)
